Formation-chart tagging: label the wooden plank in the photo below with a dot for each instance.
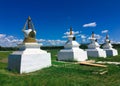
(89, 61)
(107, 62)
(92, 64)
(104, 72)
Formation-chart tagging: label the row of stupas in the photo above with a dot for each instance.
(30, 57)
(72, 52)
(94, 49)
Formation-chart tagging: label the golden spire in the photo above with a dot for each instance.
(93, 35)
(71, 31)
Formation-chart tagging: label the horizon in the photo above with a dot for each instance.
(52, 19)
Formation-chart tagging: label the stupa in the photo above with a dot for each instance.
(71, 51)
(30, 57)
(108, 47)
(94, 49)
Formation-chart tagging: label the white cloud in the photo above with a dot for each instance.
(83, 36)
(97, 36)
(74, 32)
(115, 42)
(83, 40)
(2, 35)
(104, 31)
(64, 36)
(93, 24)
(9, 41)
(40, 40)
(77, 32)
(68, 33)
(53, 42)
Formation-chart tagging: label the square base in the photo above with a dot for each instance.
(25, 63)
(96, 53)
(111, 52)
(72, 55)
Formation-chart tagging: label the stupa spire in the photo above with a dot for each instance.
(29, 22)
(107, 37)
(93, 35)
(71, 33)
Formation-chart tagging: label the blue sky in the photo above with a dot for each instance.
(52, 18)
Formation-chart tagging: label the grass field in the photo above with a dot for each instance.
(62, 74)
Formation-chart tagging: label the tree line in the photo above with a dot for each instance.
(82, 46)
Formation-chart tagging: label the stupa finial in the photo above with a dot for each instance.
(29, 22)
(71, 31)
(107, 37)
(29, 18)
(93, 35)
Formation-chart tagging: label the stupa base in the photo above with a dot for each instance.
(111, 52)
(30, 59)
(72, 55)
(96, 53)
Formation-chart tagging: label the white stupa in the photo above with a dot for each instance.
(94, 49)
(30, 57)
(71, 51)
(108, 47)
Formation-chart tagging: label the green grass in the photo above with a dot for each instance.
(4, 54)
(62, 74)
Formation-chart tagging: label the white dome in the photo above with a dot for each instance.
(26, 32)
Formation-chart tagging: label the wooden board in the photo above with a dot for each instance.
(92, 64)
